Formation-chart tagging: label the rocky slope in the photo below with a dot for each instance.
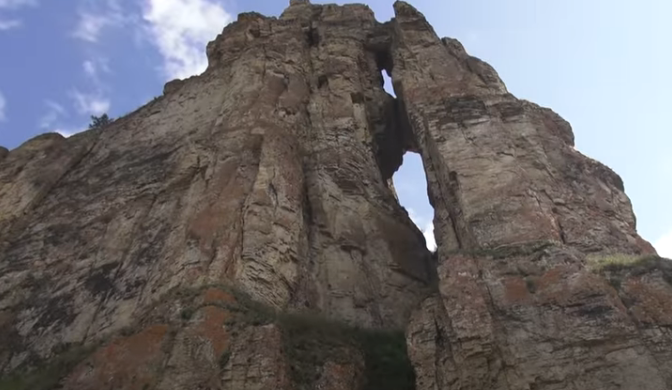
(241, 232)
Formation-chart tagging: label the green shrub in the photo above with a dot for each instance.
(387, 364)
(100, 121)
(312, 340)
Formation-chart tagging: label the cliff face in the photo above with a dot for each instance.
(182, 245)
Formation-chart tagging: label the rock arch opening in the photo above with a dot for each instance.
(387, 83)
(410, 183)
(408, 174)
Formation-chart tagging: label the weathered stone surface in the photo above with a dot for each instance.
(257, 361)
(343, 375)
(554, 326)
(132, 362)
(502, 171)
(517, 208)
(270, 172)
(28, 173)
(197, 350)
(645, 287)
(262, 171)
(3, 152)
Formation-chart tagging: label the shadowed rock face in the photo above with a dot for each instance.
(268, 174)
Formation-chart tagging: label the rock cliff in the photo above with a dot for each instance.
(241, 232)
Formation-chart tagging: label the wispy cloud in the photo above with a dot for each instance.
(94, 19)
(90, 68)
(55, 111)
(10, 24)
(90, 103)
(53, 120)
(93, 68)
(664, 245)
(3, 108)
(13, 4)
(180, 29)
(90, 26)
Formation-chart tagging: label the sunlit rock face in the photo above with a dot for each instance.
(240, 232)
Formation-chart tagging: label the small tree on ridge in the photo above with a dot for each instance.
(100, 121)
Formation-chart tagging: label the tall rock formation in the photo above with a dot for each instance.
(240, 232)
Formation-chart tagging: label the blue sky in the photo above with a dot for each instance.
(603, 65)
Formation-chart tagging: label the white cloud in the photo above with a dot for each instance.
(3, 108)
(429, 236)
(90, 103)
(64, 133)
(68, 131)
(427, 230)
(181, 29)
(664, 245)
(54, 112)
(9, 24)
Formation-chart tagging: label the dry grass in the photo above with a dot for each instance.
(599, 262)
(617, 267)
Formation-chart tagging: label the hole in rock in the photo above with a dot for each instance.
(387, 83)
(410, 183)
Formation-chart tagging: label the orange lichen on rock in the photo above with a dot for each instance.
(211, 328)
(216, 295)
(132, 363)
(516, 290)
(650, 301)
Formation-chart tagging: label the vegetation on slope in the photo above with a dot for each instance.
(47, 375)
(311, 340)
(617, 266)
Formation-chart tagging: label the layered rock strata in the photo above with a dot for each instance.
(269, 175)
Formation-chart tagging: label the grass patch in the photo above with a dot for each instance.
(618, 266)
(387, 364)
(47, 375)
(616, 261)
(311, 341)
